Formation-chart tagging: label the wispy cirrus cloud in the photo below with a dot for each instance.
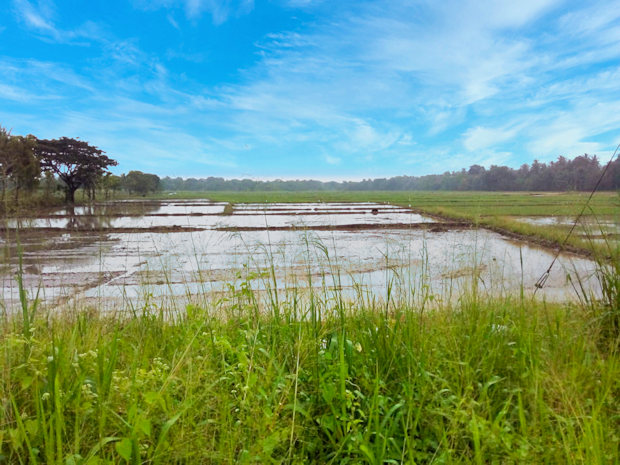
(37, 16)
(219, 10)
(479, 138)
(41, 16)
(302, 3)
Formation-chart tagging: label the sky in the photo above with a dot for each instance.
(298, 89)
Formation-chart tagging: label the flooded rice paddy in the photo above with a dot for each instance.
(587, 226)
(131, 252)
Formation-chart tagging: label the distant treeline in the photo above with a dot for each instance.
(579, 174)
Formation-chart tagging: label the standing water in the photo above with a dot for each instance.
(118, 252)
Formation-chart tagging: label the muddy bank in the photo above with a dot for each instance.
(432, 227)
(539, 241)
(120, 215)
(102, 230)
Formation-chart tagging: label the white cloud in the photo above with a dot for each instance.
(18, 94)
(38, 18)
(173, 22)
(594, 21)
(406, 139)
(500, 14)
(574, 132)
(479, 138)
(364, 138)
(219, 10)
(332, 160)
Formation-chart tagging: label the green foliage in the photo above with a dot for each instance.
(484, 381)
(110, 183)
(19, 168)
(137, 182)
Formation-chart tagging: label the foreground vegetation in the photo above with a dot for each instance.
(317, 380)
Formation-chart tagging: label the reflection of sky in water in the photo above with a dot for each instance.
(212, 222)
(188, 214)
(132, 264)
(590, 224)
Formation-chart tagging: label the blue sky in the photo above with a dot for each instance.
(314, 89)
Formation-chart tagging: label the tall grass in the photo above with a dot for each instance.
(328, 379)
(606, 310)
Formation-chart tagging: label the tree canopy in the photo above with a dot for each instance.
(74, 161)
(140, 183)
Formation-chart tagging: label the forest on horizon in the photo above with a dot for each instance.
(579, 174)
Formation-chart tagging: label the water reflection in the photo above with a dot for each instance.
(119, 250)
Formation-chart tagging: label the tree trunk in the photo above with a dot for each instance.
(70, 194)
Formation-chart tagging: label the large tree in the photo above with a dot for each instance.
(75, 162)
